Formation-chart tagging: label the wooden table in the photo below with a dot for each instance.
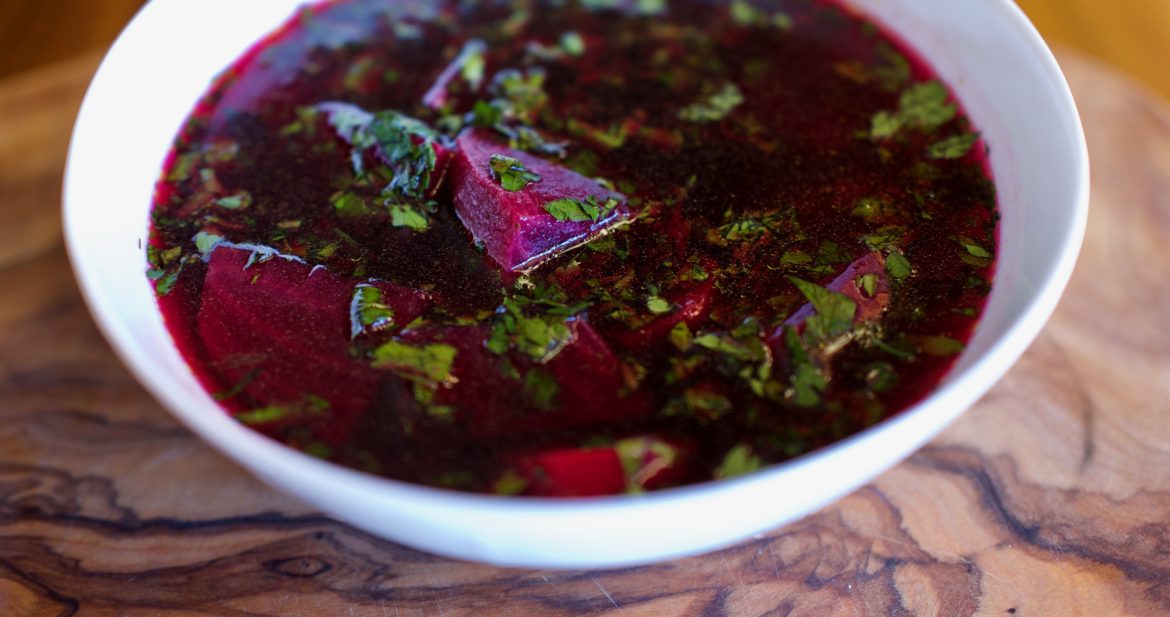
(1050, 498)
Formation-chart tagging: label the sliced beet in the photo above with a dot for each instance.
(513, 226)
(490, 403)
(629, 465)
(692, 304)
(278, 330)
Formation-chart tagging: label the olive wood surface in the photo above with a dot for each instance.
(1049, 498)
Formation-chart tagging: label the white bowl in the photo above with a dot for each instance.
(984, 49)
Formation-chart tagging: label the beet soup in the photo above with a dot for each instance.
(572, 248)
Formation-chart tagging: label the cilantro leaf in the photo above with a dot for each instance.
(429, 364)
(941, 346)
(953, 147)
(367, 311)
(511, 173)
(738, 461)
(659, 306)
(409, 216)
(715, 107)
(922, 106)
(898, 266)
(589, 209)
(834, 311)
(573, 44)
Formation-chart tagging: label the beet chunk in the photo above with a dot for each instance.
(629, 465)
(514, 227)
(278, 330)
(692, 304)
(510, 394)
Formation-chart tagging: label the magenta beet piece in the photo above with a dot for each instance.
(692, 303)
(515, 227)
(490, 403)
(631, 464)
(572, 472)
(279, 331)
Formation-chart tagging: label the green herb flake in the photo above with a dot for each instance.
(430, 363)
(589, 209)
(953, 147)
(511, 172)
(680, 336)
(572, 44)
(975, 250)
(941, 346)
(922, 106)
(239, 201)
(658, 306)
(867, 283)
(834, 311)
(206, 242)
(348, 203)
(368, 312)
(310, 406)
(509, 483)
(715, 107)
(540, 389)
(898, 266)
(738, 461)
(409, 216)
(795, 257)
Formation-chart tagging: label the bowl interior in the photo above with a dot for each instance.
(984, 49)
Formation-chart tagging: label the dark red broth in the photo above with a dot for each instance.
(572, 248)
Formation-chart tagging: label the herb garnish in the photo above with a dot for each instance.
(511, 173)
(834, 311)
(428, 364)
(923, 107)
(715, 107)
(953, 147)
(368, 313)
(589, 209)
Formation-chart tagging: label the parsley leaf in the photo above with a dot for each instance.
(511, 173)
(953, 147)
(922, 106)
(589, 209)
(367, 311)
(941, 346)
(898, 266)
(738, 461)
(834, 311)
(658, 305)
(715, 107)
(428, 364)
(409, 216)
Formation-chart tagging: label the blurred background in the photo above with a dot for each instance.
(1133, 35)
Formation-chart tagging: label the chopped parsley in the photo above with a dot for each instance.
(922, 107)
(834, 311)
(368, 313)
(953, 147)
(738, 461)
(588, 209)
(428, 364)
(511, 173)
(714, 107)
(540, 389)
(898, 266)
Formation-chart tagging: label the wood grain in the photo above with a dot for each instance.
(1050, 498)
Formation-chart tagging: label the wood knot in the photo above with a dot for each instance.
(297, 567)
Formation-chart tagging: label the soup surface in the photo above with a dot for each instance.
(574, 247)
